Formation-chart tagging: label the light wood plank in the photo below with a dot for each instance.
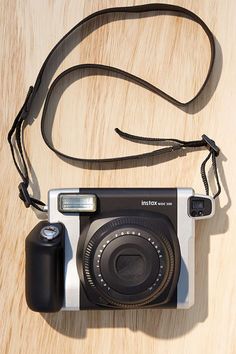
(173, 54)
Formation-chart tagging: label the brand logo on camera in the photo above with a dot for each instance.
(155, 203)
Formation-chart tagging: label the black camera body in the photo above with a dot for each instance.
(115, 248)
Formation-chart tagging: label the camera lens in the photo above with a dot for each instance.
(129, 264)
(130, 261)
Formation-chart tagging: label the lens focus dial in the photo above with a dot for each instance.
(129, 262)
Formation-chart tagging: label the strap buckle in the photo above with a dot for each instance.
(211, 144)
(24, 194)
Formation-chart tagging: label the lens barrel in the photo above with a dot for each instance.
(131, 261)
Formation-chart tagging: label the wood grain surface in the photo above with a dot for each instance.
(172, 53)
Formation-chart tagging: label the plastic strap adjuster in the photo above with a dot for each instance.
(28, 102)
(211, 144)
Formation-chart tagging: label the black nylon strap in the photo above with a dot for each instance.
(17, 127)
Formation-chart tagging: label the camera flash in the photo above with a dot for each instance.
(77, 203)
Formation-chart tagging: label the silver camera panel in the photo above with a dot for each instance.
(185, 233)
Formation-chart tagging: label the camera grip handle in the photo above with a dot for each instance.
(44, 270)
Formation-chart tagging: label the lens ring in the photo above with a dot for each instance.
(122, 228)
(127, 262)
(156, 287)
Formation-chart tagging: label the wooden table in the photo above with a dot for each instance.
(172, 53)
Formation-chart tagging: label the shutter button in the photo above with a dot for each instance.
(49, 232)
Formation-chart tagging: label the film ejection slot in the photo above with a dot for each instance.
(77, 203)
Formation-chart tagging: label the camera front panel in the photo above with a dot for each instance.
(132, 269)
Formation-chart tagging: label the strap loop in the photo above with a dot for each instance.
(28, 200)
(24, 195)
(181, 144)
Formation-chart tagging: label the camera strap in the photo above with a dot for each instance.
(15, 135)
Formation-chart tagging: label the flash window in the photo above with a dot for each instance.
(77, 203)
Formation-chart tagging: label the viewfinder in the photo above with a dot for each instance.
(198, 204)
